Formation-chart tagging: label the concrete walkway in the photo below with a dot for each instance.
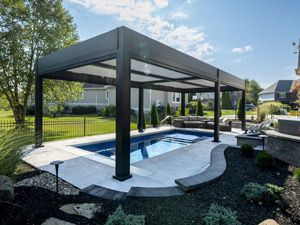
(83, 168)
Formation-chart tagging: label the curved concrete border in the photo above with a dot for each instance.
(216, 169)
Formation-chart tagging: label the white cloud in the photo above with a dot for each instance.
(237, 60)
(179, 15)
(246, 48)
(144, 17)
(161, 3)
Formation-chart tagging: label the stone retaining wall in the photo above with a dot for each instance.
(284, 147)
(249, 139)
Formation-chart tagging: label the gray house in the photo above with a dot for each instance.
(103, 95)
(279, 91)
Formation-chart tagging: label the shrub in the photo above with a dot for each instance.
(109, 111)
(80, 110)
(256, 192)
(30, 110)
(264, 159)
(12, 144)
(296, 173)
(120, 218)
(169, 112)
(240, 109)
(178, 111)
(199, 111)
(247, 150)
(274, 188)
(154, 116)
(261, 193)
(219, 215)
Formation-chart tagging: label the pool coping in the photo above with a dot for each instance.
(216, 169)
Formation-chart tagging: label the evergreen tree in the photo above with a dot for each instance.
(154, 116)
(240, 109)
(169, 112)
(199, 110)
(226, 102)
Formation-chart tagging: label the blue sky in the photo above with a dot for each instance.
(249, 38)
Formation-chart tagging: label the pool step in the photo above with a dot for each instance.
(180, 140)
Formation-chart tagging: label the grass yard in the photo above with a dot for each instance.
(226, 112)
(67, 126)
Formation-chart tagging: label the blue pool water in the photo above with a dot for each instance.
(148, 146)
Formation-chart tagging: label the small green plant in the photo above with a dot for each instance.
(274, 188)
(120, 218)
(154, 116)
(168, 111)
(256, 192)
(264, 159)
(199, 110)
(296, 173)
(240, 109)
(247, 150)
(261, 193)
(219, 215)
(109, 111)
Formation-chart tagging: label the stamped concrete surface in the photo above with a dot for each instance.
(83, 168)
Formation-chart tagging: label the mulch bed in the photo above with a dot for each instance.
(38, 204)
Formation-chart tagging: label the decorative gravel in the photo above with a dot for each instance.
(48, 181)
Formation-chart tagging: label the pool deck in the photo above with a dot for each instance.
(83, 168)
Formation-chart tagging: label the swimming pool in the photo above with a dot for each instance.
(148, 146)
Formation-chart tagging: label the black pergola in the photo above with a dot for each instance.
(125, 59)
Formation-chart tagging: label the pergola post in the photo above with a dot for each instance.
(38, 122)
(123, 70)
(217, 111)
(182, 107)
(141, 110)
(243, 110)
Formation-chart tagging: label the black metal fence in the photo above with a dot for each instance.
(60, 128)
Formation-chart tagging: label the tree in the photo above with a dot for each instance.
(168, 109)
(240, 109)
(30, 29)
(226, 101)
(199, 110)
(154, 116)
(252, 91)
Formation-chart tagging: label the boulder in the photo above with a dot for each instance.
(6, 189)
(269, 222)
(86, 209)
(55, 221)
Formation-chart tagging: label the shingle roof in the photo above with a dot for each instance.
(279, 86)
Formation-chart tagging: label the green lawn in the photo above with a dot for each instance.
(68, 126)
(226, 112)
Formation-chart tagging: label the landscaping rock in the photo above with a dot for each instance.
(6, 189)
(87, 209)
(269, 222)
(54, 221)
(48, 181)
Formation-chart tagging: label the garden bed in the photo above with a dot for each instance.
(38, 203)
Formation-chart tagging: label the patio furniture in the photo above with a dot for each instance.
(190, 122)
(258, 128)
(225, 124)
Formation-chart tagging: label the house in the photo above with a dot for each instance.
(103, 95)
(279, 91)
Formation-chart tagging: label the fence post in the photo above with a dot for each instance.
(84, 123)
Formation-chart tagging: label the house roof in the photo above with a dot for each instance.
(279, 86)
(153, 65)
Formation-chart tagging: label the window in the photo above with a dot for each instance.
(107, 94)
(282, 95)
(176, 97)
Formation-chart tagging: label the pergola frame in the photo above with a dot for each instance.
(130, 49)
